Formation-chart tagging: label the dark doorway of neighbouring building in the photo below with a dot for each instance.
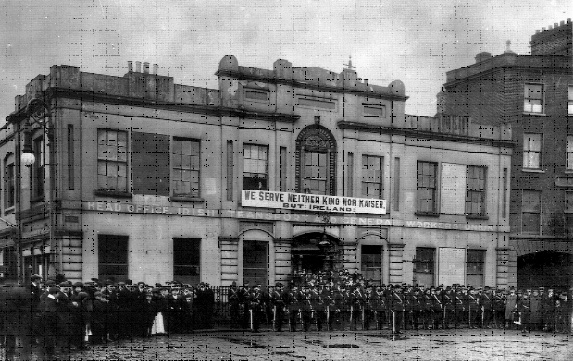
(546, 268)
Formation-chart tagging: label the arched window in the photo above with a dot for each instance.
(316, 161)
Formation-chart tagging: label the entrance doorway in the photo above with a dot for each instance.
(546, 268)
(315, 253)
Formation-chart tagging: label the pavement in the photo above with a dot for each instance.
(460, 344)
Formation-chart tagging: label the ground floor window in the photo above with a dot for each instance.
(475, 261)
(424, 269)
(371, 263)
(113, 257)
(187, 260)
(255, 262)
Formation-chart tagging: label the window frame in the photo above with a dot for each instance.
(379, 160)
(525, 211)
(527, 137)
(118, 238)
(379, 269)
(434, 190)
(193, 193)
(250, 252)
(569, 153)
(476, 191)
(431, 263)
(570, 100)
(9, 182)
(266, 174)
(480, 266)
(103, 160)
(193, 267)
(529, 101)
(37, 171)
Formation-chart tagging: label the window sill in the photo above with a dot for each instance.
(9, 210)
(112, 193)
(476, 216)
(186, 199)
(535, 114)
(532, 170)
(568, 171)
(427, 214)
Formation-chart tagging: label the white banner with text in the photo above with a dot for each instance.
(312, 202)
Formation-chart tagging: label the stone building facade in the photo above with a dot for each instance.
(276, 173)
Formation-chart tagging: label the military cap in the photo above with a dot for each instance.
(279, 284)
(53, 290)
(65, 284)
(233, 284)
(141, 283)
(78, 284)
(50, 283)
(128, 282)
(109, 282)
(98, 294)
(121, 283)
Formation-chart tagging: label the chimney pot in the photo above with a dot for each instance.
(550, 27)
(130, 66)
(568, 20)
(537, 31)
(555, 25)
(562, 22)
(542, 29)
(138, 66)
(155, 66)
(146, 68)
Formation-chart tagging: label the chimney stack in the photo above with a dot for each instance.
(155, 69)
(146, 68)
(130, 66)
(138, 66)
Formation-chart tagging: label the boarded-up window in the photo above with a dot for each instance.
(255, 262)
(113, 257)
(453, 188)
(187, 260)
(150, 163)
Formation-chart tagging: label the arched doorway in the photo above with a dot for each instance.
(545, 268)
(316, 252)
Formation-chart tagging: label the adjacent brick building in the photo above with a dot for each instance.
(534, 94)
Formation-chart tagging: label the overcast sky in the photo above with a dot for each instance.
(415, 41)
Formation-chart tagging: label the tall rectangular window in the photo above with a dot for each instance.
(475, 193)
(71, 180)
(350, 174)
(396, 192)
(187, 260)
(38, 167)
(570, 100)
(424, 266)
(533, 98)
(315, 176)
(569, 165)
(186, 170)
(255, 262)
(372, 186)
(569, 213)
(504, 194)
(9, 185)
(475, 268)
(531, 212)
(283, 169)
(230, 173)
(255, 166)
(112, 160)
(113, 254)
(371, 263)
(427, 187)
(532, 150)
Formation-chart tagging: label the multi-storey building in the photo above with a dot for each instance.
(534, 94)
(276, 173)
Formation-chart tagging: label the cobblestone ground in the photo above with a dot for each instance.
(369, 345)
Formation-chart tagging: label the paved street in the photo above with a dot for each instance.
(371, 345)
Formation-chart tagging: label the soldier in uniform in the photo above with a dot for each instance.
(397, 308)
(437, 309)
(293, 300)
(448, 300)
(473, 308)
(235, 300)
(499, 308)
(337, 308)
(379, 307)
(278, 304)
(257, 307)
(486, 302)
(245, 293)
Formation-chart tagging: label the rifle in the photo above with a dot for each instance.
(328, 318)
(252, 320)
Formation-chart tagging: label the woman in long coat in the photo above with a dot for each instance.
(510, 306)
